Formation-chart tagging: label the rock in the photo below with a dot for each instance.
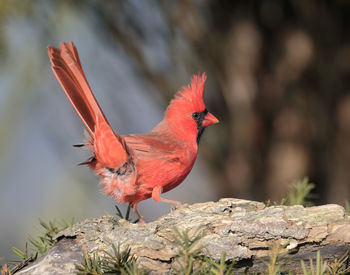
(243, 229)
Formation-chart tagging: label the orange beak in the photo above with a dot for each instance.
(209, 119)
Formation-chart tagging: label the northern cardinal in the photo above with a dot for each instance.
(136, 167)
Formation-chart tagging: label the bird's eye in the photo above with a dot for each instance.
(196, 115)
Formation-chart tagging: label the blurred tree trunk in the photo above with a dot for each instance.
(271, 65)
(278, 80)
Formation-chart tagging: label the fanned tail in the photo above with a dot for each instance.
(110, 149)
(66, 66)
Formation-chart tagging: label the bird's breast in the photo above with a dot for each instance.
(166, 169)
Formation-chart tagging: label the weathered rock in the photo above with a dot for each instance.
(243, 229)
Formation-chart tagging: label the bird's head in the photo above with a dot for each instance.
(186, 114)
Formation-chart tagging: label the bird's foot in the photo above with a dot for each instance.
(139, 217)
(175, 204)
(141, 221)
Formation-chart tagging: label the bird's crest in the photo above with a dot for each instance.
(193, 93)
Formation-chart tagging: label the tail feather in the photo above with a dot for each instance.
(68, 70)
(110, 149)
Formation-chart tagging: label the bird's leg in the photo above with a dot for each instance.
(156, 196)
(134, 207)
(173, 203)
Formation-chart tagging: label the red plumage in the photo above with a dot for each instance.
(136, 167)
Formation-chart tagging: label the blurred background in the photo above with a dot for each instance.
(278, 80)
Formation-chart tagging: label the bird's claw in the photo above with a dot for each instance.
(175, 205)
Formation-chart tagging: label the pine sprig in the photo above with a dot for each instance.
(126, 217)
(117, 262)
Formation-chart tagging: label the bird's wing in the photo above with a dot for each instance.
(153, 147)
(160, 161)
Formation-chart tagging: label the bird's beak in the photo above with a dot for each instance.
(209, 119)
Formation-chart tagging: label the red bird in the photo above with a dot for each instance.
(136, 167)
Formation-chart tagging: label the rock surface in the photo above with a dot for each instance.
(243, 229)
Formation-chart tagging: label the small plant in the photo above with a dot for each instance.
(221, 268)
(46, 239)
(90, 265)
(133, 269)
(276, 263)
(189, 260)
(5, 270)
(127, 215)
(347, 207)
(119, 262)
(23, 255)
(189, 252)
(39, 245)
(339, 266)
(318, 269)
(299, 193)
